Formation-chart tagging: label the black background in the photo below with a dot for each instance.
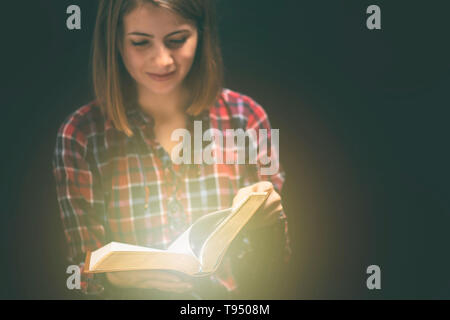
(362, 117)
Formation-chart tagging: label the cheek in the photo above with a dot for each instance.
(133, 60)
(187, 54)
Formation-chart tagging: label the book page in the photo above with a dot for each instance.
(203, 228)
(217, 243)
(147, 260)
(192, 240)
(181, 244)
(118, 246)
(99, 254)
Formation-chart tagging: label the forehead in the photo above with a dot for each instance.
(154, 20)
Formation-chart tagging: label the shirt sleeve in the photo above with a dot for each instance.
(80, 200)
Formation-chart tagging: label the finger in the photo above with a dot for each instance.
(274, 205)
(166, 286)
(269, 214)
(163, 276)
(176, 276)
(241, 194)
(247, 190)
(272, 200)
(272, 217)
(263, 186)
(144, 275)
(160, 282)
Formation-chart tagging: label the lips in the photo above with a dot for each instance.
(161, 77)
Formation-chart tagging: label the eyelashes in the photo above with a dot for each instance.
(178, 41)
(171, 43)
(137, 44)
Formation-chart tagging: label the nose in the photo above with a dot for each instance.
(162, 58)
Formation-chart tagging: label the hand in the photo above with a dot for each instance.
(269, 212)
(149, 279)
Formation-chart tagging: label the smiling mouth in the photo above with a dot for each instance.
(161, 77)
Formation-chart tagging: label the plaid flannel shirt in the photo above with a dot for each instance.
(112, 187)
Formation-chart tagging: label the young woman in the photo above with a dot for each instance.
(156, 67)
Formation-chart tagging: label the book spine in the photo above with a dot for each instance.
(87, 262)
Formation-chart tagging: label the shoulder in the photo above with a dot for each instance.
(240, 106)
(84, 123)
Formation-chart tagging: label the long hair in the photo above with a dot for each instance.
(113, 86)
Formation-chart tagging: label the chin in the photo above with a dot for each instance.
(162, 89)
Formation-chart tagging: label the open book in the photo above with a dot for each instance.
(196, 252)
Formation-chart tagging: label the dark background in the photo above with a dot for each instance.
(362, 117)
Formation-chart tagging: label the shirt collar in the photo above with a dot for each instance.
(139, 119)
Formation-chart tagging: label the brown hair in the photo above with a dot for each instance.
(111, 81)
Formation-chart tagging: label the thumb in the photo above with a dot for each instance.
(264, 186)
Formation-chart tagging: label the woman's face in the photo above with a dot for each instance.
(158, 42)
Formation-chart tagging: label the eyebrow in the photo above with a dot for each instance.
(137, 33)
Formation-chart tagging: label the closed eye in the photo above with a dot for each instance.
(137, 44)
(178, 40)
(171, 43)
(176, 43)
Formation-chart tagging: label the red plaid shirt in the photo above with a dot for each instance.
(112, 187)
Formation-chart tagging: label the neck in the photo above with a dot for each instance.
(163, 107)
